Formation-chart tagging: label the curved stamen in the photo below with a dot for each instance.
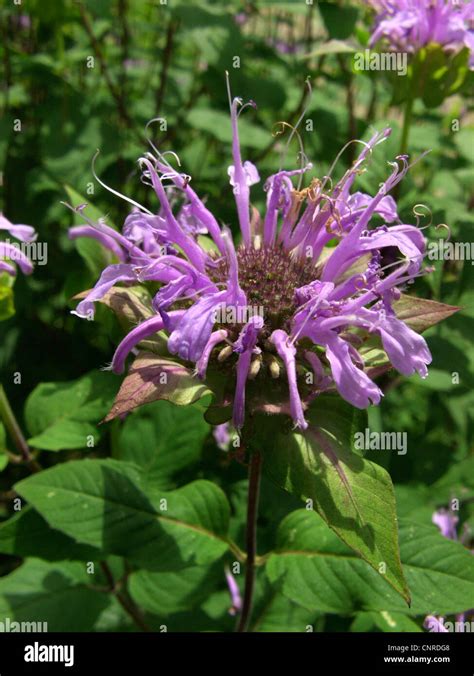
(115, 192)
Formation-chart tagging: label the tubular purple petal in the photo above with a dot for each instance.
(24, 233)
(202, 363)
(287, 352)
(239, 178)
(136, 335)
(14, 253)
(120, 272)
(93, 233)
(244, 346)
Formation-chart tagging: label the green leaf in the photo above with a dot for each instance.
(172, 592)
(281, 614)
(3, 448)
(27, 534)
(331, 47)
(387, 621)
(7, 305)
(56, 594)
(163, 439)
(103, 503)
(217, 124)
(339, 20)
(96, 256)
(63, 415)
(353, 495)
(317, 571)
(151, 378)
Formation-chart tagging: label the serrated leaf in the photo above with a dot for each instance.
(353, 495)
(151, 378)
(318, 571)
(103, 503)
(419, 313)
(163, 439)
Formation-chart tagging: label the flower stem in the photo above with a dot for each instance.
(13, 428)
(255, 471)
(127, 604)
(407, 118)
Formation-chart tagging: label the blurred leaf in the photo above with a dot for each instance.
(96, 256)
(331, 47)
(7, 305)
(3, 448)
(339, 20)
(65, 415)
(217, 124)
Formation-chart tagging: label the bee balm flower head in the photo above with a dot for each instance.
(314, 263)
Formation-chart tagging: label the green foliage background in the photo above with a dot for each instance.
(103, 504)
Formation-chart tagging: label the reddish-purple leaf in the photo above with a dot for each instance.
(151, 378)
(420, 313)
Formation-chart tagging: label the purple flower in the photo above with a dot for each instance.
(408, 25)
(282, 46)
(13, 251)
(222, 436)
(446, 522)
(234, 591)
(313, 264)
(435, 624)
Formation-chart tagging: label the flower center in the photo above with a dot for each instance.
(269, 276)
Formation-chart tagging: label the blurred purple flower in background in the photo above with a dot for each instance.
(434, 624)
(13, 252)
(408, 25)
(446, 522)
(222, 436)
